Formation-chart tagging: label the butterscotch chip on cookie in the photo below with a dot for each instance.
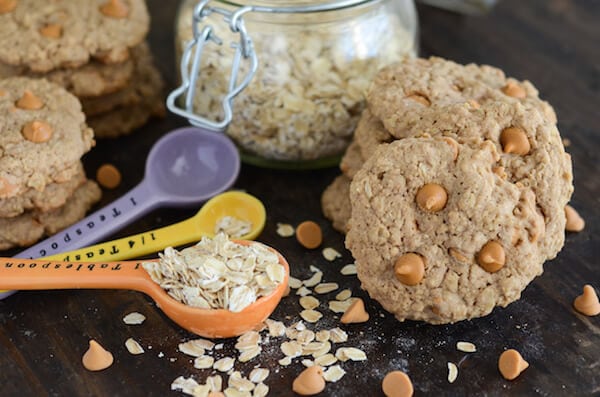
(39, 145)
(388, 223)
(69, 33)
(27, 228)
(335, 203)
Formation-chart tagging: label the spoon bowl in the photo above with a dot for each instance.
(27, 274)
(190, 165)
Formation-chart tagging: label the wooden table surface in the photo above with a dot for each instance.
(553, 43)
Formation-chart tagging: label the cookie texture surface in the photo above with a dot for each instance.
(30, 226)
(387, 222)
(92, 79)
(335, 203)
(67, 33)
(53, 196)
(44, 135)
(145, 87)
(352, 160)
(402, 93)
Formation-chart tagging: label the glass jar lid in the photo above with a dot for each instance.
(295, 6)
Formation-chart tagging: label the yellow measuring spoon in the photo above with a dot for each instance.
(240, 205)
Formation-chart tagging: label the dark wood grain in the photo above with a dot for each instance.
(552, 43)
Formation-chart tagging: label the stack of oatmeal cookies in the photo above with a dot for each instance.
(43, 187)
(95, 49)
(453, 190)
(62, 62)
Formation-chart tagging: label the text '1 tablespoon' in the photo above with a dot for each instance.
(42, 274)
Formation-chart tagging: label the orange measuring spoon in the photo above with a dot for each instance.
(25, 274)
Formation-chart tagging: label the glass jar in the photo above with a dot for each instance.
(315, 61)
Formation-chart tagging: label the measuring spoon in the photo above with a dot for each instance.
(26, 274)
(184, 168)
(239, 205)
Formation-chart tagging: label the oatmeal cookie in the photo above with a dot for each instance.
(53, 196)
(370, 133)
(402, 93)
(352, 160)
(438, 235)
(90, 80)
(27, 228)
(145, 87)
(124, 120)
(335, 203)
(44, 135)
(68, 33)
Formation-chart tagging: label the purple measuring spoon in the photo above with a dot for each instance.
(184, 168)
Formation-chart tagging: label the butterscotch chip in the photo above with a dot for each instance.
(491, 257)
(355, 313)
(575, 222)
(514, 140)
(53, 31)
(432, 197)
(419, 98)
(511, 364)
(37, 131)
(29, 101)
(115, 9)
(7, 6)
(587, 303)
(108, 176)
(309, 382)
(397, 384)
(514, 90)
(409, 268)
(96, 358)
(309, 234)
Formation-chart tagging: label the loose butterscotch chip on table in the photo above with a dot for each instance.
(511, 364)
(587, 303)
(397, 384)
(355, 313)
(309, 234)
(108, 176)
(309, 382)
(575, 222)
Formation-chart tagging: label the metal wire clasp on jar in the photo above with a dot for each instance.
(298, 73)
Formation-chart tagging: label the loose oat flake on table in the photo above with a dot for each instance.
(218, 273)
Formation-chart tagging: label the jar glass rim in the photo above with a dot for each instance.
(293, 7)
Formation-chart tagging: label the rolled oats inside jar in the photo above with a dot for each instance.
(313, 69)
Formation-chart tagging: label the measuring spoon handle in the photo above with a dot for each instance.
(99, 224)
(141, 244)
(26, 274)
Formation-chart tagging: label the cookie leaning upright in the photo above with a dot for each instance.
(437, 235)
(43, 135)
(49, 35)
